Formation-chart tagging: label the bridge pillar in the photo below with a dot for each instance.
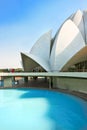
(50, 82)
(26, 79)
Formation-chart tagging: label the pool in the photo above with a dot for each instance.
(35, 109)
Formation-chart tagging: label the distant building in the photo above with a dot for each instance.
(67, 51)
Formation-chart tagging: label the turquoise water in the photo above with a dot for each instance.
(32, 109)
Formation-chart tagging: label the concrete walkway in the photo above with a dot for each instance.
(35, 83)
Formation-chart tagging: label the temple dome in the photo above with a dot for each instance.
(66, 50)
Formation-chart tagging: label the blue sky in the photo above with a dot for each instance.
(22, 22)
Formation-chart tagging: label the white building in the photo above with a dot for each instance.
(67, 51)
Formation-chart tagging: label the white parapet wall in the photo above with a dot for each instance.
(72, 84)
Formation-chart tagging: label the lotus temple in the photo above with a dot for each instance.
(61, 59)
(65, 52)
(60, 62)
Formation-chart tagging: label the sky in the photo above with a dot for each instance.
(22, 22)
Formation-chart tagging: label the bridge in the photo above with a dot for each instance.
(45, 74)
(73, 81)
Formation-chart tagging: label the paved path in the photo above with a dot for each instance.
(38, 83)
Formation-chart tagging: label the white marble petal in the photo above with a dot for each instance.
(41, 48)
(68, 42)
(31, 61)
(79, 22)
(85, 25)
(77, 58)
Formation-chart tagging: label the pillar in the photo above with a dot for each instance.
(26, 79)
